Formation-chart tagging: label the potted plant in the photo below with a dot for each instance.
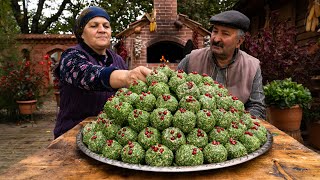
(24, 83)
(312, 118)
(285, 100)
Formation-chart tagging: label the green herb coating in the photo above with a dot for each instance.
(96, 142)
(138, 87)
(161, 118)
(173, 138)
(146, 102)
(184, 120)
(158, 89)
(189, 155)
(197, 137)
(167, 101)
(159, 155)
(215, 153)
(133, 153)
(190, 103)
(156, 76)
(112, 150)
(126, 134)
(188, 88)
(219, 134)
(205, 120)
(251, 143)
(235, 150)
(138, 119)
(148, 137)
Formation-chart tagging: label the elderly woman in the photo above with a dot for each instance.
(89, 72)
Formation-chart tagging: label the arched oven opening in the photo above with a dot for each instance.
(168, 50)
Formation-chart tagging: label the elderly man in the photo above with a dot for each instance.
(239, 72)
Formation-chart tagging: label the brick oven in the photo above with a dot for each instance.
(175, 36)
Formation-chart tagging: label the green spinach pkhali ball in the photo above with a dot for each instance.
(159, 155)
(219, 134)
(184, 120)
(175, 81)
(165, 69)
(173, 138)
(250, 141)
(109, 106)
(167, 101)
(197, 137)
(235, 149)
(157, 76)
(207, 79)
(221, 90)
(138, 86)
(246, 118)
(112, 149)
(260, 127)
(133, 153)
(148, 137)
(146, 101)
(189, 155)
(161, 118)
(222, 120)
(237, 104)
(97, 142)
(125, 135)
(110, 129)
(225, 102)
(121, 92)
(122, 110)
(194, 77)
(236, 130)
(89, 127)
(259, 134)
(158, 88)
(188, 88)
(138, 119)
(206, 88)
(86, 136)
(215, 152)
(208, 101)
(190, 103)
(205, 120)
(130, 97)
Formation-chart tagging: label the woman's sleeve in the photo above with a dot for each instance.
(75, 69)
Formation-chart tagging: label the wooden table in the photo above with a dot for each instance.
(62, 159)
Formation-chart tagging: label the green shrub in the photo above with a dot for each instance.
(286, 93)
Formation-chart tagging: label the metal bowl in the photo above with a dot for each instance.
(203, 167)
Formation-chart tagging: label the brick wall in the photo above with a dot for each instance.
(166, 15)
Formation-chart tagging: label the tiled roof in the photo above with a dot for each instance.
(46, 36)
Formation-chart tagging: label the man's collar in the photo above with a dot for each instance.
(233, 59)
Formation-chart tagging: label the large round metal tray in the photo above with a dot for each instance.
(203, 167)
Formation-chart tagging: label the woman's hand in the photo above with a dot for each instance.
(123, 78)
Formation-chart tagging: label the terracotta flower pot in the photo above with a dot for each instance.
(314, 134)
(27, 107)
(288, 119)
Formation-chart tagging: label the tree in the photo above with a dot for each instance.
(34, 21)
(124, 12)
(204, 9)
(58, 16)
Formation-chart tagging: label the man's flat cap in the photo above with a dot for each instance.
(231, 18)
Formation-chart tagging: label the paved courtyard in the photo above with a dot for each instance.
(19, 140)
